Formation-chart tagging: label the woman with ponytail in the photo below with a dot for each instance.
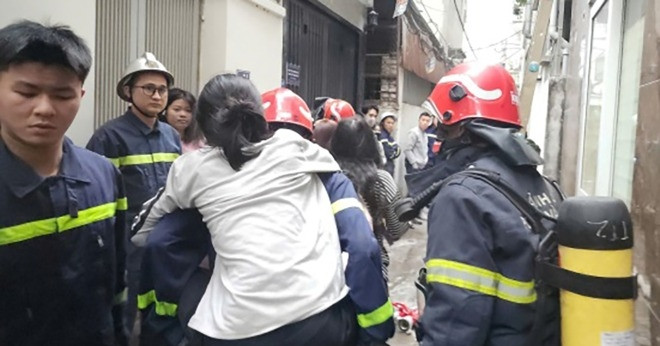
(278, 276)
(356, 150)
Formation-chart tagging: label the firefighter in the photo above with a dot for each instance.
(142, 147)
(336, 110)
(480, 252)
(163, 284)
(285, 109)
(333, 109)
(61, 207)
(390, 146)
(272, 299)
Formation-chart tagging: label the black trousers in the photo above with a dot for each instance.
(335, 326)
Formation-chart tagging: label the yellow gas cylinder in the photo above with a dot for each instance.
(595, 239)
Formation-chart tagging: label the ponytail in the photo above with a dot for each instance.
(230, 114)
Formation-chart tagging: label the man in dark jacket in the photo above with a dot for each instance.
(390, 146)
(142, 147)
(480, 253)
(61, 207)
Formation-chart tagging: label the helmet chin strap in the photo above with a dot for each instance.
(133, 104)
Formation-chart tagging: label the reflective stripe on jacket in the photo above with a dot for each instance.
(480, 261)
(143, 155)
(62, 251)
(180, 240)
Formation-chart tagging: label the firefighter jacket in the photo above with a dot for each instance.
(432, 139)
(180, 241)
(480, 257)
(143, 155)
(62, 251)
(391, 149)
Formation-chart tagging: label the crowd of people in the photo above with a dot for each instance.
(247, 218)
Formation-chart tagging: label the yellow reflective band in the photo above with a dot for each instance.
(345, 203)
(120, 297)
(480, 280)
(115, 162)
(122, 204)
(162, 308)
(377, 316)
(34, 229)
(144, 159)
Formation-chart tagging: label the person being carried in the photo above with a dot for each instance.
(242, 184)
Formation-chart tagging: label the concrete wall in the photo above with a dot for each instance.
(353, 11)
(536, 128)
(576, 68)
(444, 14)
(82, 21)
(645, 202)
(242, 34)
(415, 89)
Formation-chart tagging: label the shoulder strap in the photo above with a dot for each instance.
(532, 215)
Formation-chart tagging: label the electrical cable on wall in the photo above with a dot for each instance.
(432, 22)
(460, 20)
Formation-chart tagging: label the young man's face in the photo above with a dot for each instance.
(371, 117)
(388, 124)
(424, 122)
(38, 103)
(145, 84)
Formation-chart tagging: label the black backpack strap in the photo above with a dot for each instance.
(588, 285)
(532, 215)
(547, 247)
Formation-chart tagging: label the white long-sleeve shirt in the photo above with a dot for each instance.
(278, 255)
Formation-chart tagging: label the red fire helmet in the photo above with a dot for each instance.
(336, 109)
(282, 105)
(475, 90)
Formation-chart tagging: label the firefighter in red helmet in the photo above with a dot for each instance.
(285, 109)
(481, 253)
(334, 109)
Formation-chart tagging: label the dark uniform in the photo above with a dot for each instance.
(480, 256)
(391, 149)
(180, 242)
(432, 138)
(61, 251)
(144, 156)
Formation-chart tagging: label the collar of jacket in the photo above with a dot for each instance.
(511, 143)
(133, 119)
(22, 179)
(455, 161)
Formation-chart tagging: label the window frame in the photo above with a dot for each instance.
(609, 106)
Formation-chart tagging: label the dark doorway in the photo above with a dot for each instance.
(321, 54)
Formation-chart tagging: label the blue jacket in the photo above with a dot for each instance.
(480, 258)
(61, 251)
(391, 149)
(143, 155)
(180, 241)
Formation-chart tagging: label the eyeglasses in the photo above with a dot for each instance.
(151, 89)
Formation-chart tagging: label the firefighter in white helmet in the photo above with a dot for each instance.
(141, 147)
